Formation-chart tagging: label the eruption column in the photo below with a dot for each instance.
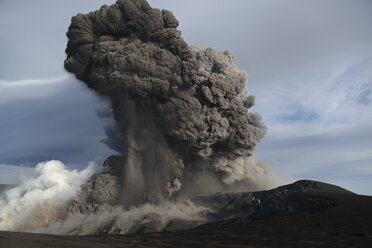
(181, 111)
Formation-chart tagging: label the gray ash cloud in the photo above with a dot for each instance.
(181, 112)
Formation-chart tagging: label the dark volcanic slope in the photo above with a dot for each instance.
(347, 223)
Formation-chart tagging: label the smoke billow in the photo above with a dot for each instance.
(37, 201)
(182, 122)
(144, 218)
(180, 110)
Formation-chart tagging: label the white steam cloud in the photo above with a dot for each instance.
(35, 202)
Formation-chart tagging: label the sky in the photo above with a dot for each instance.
(309, 65)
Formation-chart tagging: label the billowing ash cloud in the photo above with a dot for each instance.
(181, 111)
(182, 128)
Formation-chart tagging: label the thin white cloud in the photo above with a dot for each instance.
(320, 104)
(31, 82)
(30, 88)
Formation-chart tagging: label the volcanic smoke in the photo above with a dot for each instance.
(183, 126)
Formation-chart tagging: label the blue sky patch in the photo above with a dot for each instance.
(365, 97)
(299, 115)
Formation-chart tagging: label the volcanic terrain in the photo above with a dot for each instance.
(302, 214)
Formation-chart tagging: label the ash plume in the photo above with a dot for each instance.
(182, 129)
(181, 111)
